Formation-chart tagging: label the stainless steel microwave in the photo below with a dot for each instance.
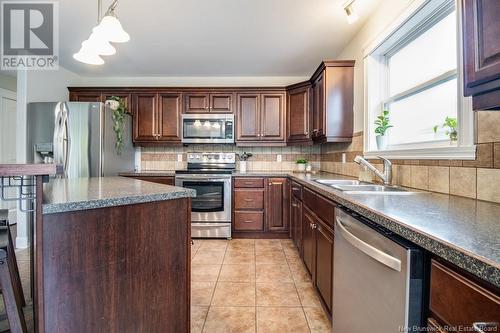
(208, 128)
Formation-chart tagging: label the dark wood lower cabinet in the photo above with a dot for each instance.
(308, 239)
(324, 261)
(296, 222)
(277, 205)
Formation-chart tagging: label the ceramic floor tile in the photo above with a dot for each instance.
(198, 316)
(273, 273)
(201, 292)
(293, 257)
(308, 295)
(234, 294)
(270, 257)
(280, 320)
(239, 257)
(317, 320)
(277, 294)
(242, 244)
(237, 273)
(267, 245)
(204, 257)
(230, 320)
(299, 272)
(205, 273)
(214, 245)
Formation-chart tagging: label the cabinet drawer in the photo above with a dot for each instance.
(244, 221)
(322, 207)
(458, 301)
(248, 182)
(248, 199)
(297, 190)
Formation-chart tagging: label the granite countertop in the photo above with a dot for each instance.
(65, 195)
(148, 174)
(464, 231)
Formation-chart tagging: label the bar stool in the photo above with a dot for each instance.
(10, 281)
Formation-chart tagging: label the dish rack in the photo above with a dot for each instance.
(21, 189)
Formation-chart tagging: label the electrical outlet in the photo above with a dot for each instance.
(343, 158)
(279, 158)
(179, 157)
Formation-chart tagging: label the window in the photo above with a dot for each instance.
(415, 74)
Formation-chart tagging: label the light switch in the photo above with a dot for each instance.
(279, 158)
(179, 157)
(343, 157)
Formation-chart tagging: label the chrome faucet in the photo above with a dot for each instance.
(386, 176)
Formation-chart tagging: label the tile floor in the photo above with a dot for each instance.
(247, 285)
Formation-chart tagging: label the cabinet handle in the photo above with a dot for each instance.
(248, 200)
(248, 183)
(295, 205)
(307, 133)
(248, 221)
(314, 225)
(270, 184)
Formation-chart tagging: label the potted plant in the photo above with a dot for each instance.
(117, 105)
(451, 125)
(383, 125)
(243, 161)
(301, 164)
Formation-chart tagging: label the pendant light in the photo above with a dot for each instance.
(109, 29)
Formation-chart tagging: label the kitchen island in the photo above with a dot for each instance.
(112, 255)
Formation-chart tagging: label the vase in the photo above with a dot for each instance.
(454, 136)
(381, 142)
(301, 167)
(243, 166)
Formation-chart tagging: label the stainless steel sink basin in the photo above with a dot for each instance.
(372, 189)
(332, 182)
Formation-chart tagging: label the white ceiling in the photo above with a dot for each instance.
(214, 37)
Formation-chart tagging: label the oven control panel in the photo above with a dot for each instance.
(222, 158)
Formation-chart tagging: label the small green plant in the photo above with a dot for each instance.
(451, 125)
(301, 161)
(245, 156)
(117, 105)
(382, 123)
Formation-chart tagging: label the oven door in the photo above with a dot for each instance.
(212, 203)
(207, 128)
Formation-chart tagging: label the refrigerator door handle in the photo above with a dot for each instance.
(58, 140)
(369, 250)
(66, 140)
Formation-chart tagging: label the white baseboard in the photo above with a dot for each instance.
(21, 242)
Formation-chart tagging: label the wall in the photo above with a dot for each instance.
(8, 82)
(474, 179)
(263, 159)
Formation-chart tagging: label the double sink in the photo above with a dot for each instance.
(358, 187)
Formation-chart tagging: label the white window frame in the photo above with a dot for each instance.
(403, 30)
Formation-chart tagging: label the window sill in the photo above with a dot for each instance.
(434, 153)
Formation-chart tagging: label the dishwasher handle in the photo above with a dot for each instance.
(369, 250)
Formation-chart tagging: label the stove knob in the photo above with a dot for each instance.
(216, 157)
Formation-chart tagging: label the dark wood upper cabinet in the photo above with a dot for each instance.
(169, 117)
(145, 117)
(260, 118)
(277, 204)
(299, 115)
(333, 101)
(201, 102)
(481, 47)
(248, 117)
(86, 97)
(127, 99)
(197, 102)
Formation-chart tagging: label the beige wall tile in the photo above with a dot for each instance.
(496, 155)
(488, 184)
(420, 177)
(488, 126)
(484, 157)
(463, 182)
(439, 179)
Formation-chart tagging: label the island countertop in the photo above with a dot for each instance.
(65, 195)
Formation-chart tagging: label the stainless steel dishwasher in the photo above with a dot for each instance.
(378, 278)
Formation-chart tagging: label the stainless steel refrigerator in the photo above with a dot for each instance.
(80, 136)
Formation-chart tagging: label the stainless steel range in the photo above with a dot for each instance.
(210, 175)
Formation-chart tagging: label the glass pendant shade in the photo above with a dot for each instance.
(98, 43)
(111, 29)
(88, 56)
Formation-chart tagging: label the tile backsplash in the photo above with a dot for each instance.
(479, 179)
(263, 159)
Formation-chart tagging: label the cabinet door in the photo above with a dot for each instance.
(197, 102)
(145, 117)
(296, 223)
(319, 108)
(272, 119)
(308, 245)
(481, 34)
(298, 115)
(221, 103)
(248, 117)
(169, 117)
(277, 204)
(85, 97)
(324, 261)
